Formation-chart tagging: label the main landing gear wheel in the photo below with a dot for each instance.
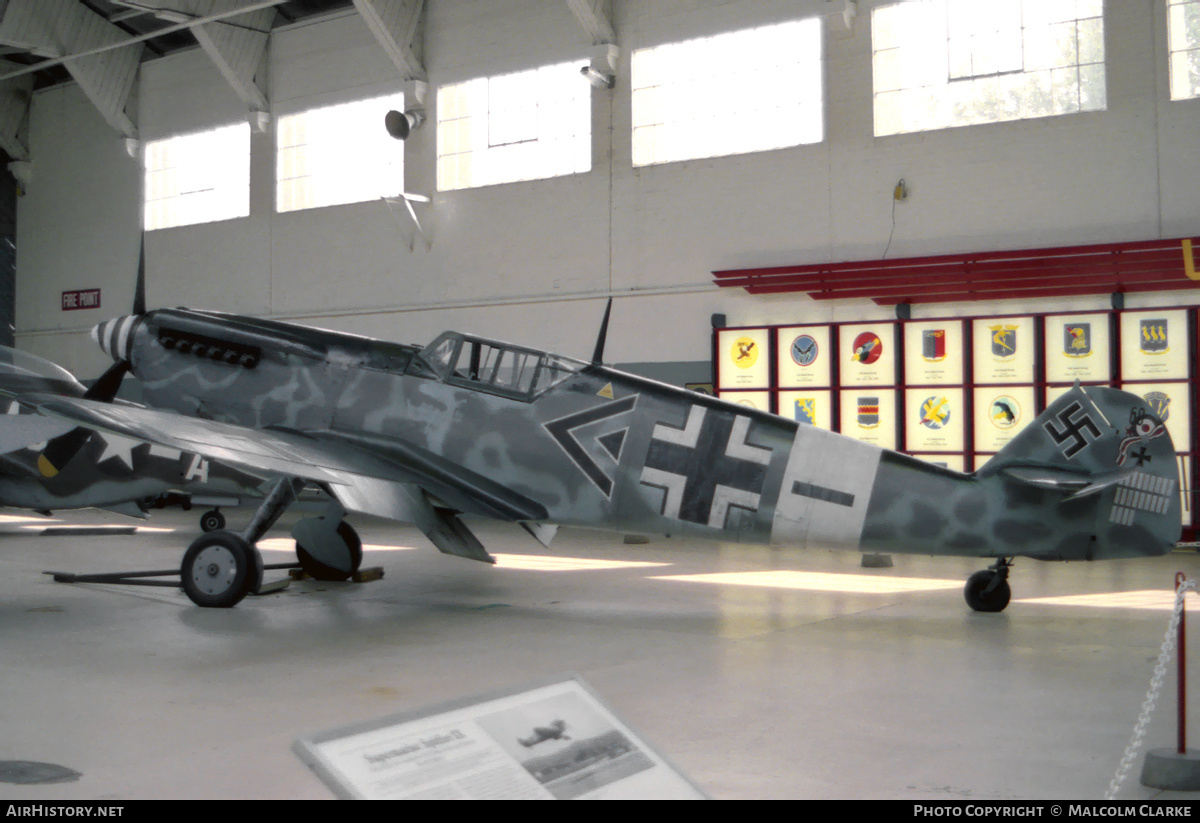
(219, 569)
(319, 571)
(212, 520)
(985, 593)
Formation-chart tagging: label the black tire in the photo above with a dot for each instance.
(219, 569)
(994, 601)
(212, 520)
(319, 571)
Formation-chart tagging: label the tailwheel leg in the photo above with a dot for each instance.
(221, 567)
(988, 590)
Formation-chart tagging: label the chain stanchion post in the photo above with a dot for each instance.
(1181, 658)
(1174, 769)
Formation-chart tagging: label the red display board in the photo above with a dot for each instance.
(954, 391)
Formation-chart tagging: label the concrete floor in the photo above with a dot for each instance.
(819, 679)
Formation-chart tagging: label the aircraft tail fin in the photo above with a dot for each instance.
(1111, 445)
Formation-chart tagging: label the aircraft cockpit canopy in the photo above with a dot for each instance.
(495, 367)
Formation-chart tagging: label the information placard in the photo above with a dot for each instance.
(933, 353)
(547, 742)
(805, 354)
(743, 359)
(1078, 347)
(867, 354)
(1003, 349)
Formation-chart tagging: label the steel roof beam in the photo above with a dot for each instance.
(237, 46)
(14, 111)
(596, 18)
(72, 34)
(399, 26)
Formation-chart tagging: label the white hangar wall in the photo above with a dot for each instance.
(531, 262)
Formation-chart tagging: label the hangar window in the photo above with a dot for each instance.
(529, 125)
(198, 178)
(1183, 31)
(337, 154)
(733, 93)
(944, 63)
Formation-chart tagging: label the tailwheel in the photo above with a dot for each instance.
(351, 545)
(219, 569)
(212, 520)
(988, 590)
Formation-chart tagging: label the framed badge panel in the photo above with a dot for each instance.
(955, 391)
(933, 352)
(743, 359)
(805, 354)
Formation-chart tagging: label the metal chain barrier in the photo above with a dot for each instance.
(1160, 673)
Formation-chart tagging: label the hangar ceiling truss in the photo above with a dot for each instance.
(72, 35)
(596, 18)
(101, 43)
(398, 26)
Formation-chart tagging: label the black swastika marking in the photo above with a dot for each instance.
(1076, 425)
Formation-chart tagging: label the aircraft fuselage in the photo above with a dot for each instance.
(597, 447)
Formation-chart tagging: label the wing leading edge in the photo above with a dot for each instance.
(369, 475)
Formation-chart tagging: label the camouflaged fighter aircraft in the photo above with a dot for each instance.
(480, 427)
(49, 465)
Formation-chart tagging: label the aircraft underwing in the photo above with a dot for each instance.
(48, 465)
(468, 425)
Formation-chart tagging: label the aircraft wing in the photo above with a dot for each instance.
(20, 431)
(369, 474)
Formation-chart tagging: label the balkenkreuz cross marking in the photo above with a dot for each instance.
(707, 467)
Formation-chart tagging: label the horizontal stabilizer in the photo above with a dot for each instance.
(1075, 483)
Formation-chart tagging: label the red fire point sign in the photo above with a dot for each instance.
(81, 299)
